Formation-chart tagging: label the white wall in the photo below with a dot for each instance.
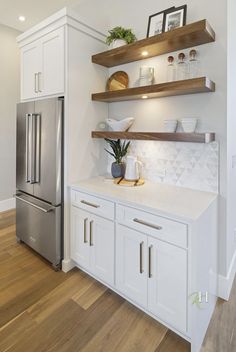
(210, 109)
(9, 96)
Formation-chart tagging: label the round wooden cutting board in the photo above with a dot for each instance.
(119, 80)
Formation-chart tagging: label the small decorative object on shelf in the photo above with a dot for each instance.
(121, 125)
(119, 151)
(170, 126)
(175, 18)
(182, 68)
(146, 76)
(133, 170)
(194, 71)
(119, 80)
(171, 69)
(156, 23)
(189, 124)
(120, 36)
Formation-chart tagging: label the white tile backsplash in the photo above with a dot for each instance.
(192, 165)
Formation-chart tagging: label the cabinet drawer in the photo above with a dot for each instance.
(93, 204)
(153, 225)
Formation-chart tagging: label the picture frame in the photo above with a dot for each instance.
(175, 18)
(156, 22)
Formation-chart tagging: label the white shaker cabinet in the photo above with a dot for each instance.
(42, 66)
(131, 264)
(167, 283)
(92, 244)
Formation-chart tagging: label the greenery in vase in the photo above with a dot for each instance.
(121, 33)
(119, 150)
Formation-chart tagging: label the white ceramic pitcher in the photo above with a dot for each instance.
(133, 169)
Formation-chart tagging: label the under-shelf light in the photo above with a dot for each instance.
(144, 53)
(144, 96)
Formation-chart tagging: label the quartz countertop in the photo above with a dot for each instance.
(182, 203)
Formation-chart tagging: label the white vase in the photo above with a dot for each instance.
(117, 43)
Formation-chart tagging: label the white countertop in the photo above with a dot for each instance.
(183, 203)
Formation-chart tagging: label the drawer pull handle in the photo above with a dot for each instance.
(91, 234)
(141, 257)
(150, 262)
(89, 204)
(85, 230)
(156, 227)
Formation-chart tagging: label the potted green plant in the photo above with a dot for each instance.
(120, 36)
(119, 150)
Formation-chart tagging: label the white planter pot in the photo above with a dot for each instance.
(117, 43)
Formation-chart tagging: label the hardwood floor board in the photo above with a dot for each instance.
(86, 298)
(144, 335)
(12, 332)
(173, 343)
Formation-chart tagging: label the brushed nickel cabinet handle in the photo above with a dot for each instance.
(141, 257)
(91, 233)
(156, 227)
(36, 83)
(89, 204)
(150, 262)
(85, 230)
(39, 82)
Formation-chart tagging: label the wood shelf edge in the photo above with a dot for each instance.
(207, 137)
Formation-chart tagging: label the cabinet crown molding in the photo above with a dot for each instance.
(61, 18)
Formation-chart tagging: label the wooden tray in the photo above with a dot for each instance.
(120, 181)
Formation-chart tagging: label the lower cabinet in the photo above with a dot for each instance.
(153, 274)
(92, 244)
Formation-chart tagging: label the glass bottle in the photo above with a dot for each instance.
(182, 68)
(171, 70)
(193, 64)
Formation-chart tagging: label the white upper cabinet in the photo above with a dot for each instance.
(43, 66)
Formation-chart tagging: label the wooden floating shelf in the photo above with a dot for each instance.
(189, 86)
(158, 136)
(191, 35)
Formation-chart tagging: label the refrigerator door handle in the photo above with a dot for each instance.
(32, 151)
(27, 116)
(37, 147)
(48, 210)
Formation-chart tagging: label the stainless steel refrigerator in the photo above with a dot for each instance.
(39, 177)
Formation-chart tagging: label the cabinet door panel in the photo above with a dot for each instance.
(30, 66)
(102, 247)
(80, 251)
(51, 77)
(167, 286)
(131, 264)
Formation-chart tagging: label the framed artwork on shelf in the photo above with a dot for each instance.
(156, 23)
(175, 18)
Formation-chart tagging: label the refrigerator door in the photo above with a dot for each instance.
(38, 224)
(48, 121)
(24, 146)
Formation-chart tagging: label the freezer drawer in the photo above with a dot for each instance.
(38, 224)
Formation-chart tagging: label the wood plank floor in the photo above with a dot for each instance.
(45, 311)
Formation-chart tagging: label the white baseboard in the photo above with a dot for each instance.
(67, 265)
(225, 283)
(7, 204)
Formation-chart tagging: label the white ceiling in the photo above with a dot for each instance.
(34, 11)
